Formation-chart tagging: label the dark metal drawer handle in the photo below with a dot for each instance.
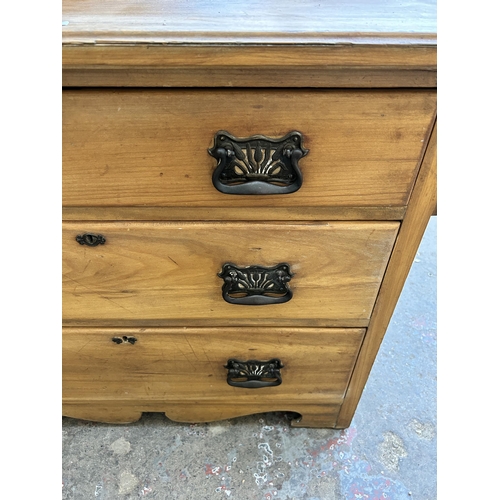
(90, 239)
(257, 164)
(124, 340)
(256, 285)
(254, 374)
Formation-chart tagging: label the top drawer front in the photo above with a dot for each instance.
(135, 148)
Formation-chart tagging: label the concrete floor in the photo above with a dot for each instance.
(389, 452)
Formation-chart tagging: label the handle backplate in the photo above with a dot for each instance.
(256, 285)
(257, 164)
(254, 374)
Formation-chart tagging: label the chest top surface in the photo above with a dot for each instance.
(239, 21)
(205, 43)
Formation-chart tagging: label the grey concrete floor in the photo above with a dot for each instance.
(389, 451)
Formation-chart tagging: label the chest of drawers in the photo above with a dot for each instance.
(244, 189)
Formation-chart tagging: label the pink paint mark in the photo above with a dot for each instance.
(346, 438)
(357, 492)
(146, 490)
(212, 470)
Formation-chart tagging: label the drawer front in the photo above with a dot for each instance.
(136, 148)
(166, 274)
(169, 365)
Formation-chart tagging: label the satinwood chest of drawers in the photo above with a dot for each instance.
(245, 185)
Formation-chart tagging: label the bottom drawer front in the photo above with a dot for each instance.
(149, 366)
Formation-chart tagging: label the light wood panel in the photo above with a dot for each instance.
(166, 273)
(421, 207)
(149, 148)
(177, 369)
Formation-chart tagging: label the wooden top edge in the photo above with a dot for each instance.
(255, 56)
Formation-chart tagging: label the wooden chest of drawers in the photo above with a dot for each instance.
(241, 203)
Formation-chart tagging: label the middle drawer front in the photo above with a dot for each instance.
(166, 274)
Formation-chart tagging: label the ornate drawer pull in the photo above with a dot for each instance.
(90, 239)
(124, 340)
(257, 164)
(256, 285)
(254, 374)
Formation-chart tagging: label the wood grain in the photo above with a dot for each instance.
(165, 274)
(149, 148)
(340, 65)
(257, 58)
(422, 204)
(179, 369)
